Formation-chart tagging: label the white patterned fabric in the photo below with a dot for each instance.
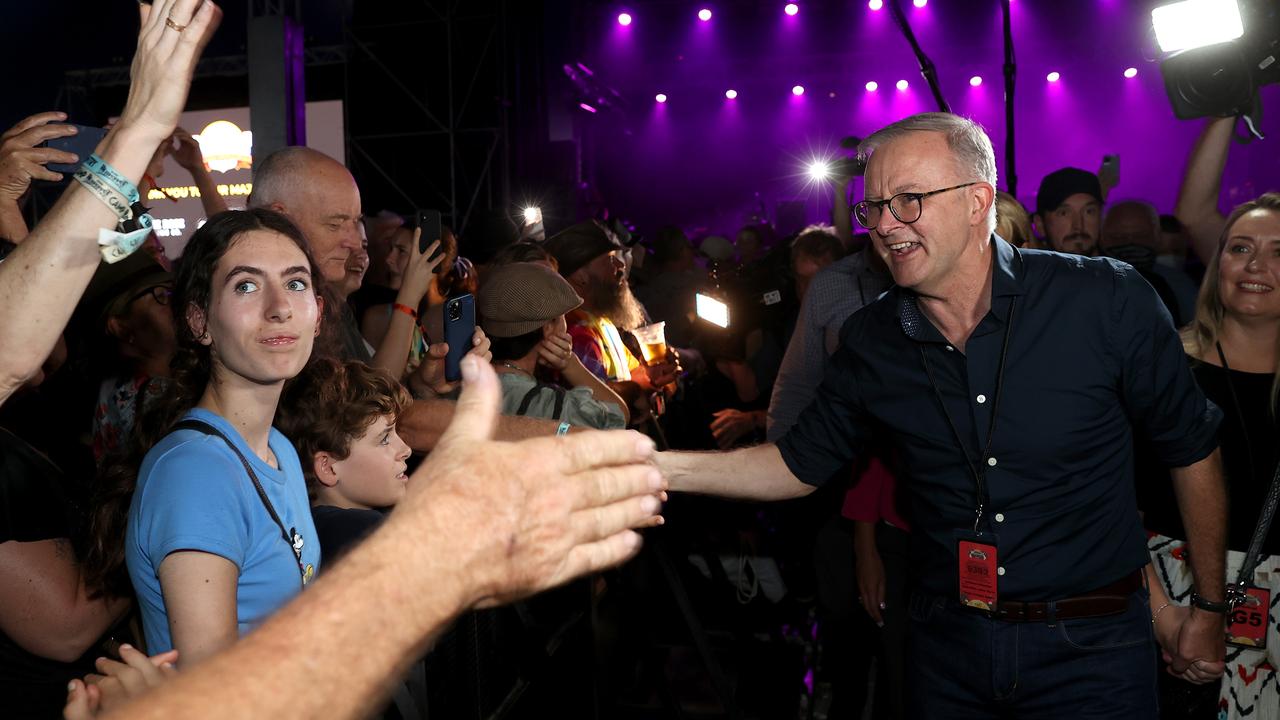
(1251, 687)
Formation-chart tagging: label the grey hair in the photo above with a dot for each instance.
(967, 139)
(1150, 210)
(279, 174)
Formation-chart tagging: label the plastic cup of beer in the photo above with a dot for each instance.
(653, 341)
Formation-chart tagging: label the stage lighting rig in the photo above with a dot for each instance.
(1222, 52)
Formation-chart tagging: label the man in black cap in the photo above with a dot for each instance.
(591, 260)
(1069, 211)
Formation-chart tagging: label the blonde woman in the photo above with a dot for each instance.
(1234, 348)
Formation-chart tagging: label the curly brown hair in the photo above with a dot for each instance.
(330, 404)
(112, 491)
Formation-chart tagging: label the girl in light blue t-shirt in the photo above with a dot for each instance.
(219, 528)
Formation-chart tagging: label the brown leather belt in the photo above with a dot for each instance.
(1111, 599)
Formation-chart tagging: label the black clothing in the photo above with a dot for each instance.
(340, 529)
(1092, 353)
(1247, 481)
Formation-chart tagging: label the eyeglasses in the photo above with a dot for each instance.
(906, 207)
(161, 293)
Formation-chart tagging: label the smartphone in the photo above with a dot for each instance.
(1111, 166)
(429, 223)
(83, 143)
(459, 326)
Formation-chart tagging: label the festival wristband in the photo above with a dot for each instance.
(563, 429)
(406, 310)
(117, 193)
(108, 195)
(111, 176)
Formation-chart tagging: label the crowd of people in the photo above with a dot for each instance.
(1031, 456)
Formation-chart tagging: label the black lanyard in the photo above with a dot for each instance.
(979, 471)
(291, 536)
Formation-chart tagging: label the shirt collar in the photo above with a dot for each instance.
(1006, 280)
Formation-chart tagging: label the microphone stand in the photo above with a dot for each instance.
(927, 68)
(1010, 70)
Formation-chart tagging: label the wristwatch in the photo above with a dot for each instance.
(1222, 608)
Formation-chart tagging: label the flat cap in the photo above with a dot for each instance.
(521, 297)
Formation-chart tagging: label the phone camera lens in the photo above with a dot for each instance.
(455, 311)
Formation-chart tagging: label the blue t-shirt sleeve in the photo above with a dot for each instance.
(194, 500)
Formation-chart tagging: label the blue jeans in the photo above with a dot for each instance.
(962, 664)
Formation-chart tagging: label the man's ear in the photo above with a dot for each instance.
(117, 328)
(986, 197)
(1037, 224)
(198, 324)
(322, 464)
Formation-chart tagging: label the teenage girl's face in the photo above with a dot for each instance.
(373, 474)
(263, 313)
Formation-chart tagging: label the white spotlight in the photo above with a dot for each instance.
(1194, 23)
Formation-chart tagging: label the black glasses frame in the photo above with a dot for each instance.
(862, 210)
(162, 293)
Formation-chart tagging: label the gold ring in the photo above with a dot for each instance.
(169, 23)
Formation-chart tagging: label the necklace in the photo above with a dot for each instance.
(517, 368)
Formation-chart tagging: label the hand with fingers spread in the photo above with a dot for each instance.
(118, 682)
(418, 272)
(730, 425)
(528, 516)
(21, 158)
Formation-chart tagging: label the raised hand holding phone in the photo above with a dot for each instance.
(429, 229)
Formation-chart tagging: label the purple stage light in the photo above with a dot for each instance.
(1131, 72)
(624, 19)
(660, 97)
(797, 90)
(1054, 76)
(791, 9)
(875, 4)
(975, 81)
(903, 85)
(731, 94)
(919, 3)
(586, 107)
(704, 15)
(872, 86)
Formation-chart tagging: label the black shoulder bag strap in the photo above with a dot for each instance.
(290, 536)
(1236, 593)
(533, 393)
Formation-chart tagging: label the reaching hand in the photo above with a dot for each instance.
(118, 683)
(186, 151)
(729, 425)
(530, 515)
(172, 36)
(21, 161)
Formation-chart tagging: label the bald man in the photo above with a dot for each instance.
(322, 198)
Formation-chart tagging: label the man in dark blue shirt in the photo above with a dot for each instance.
(1012, 382)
